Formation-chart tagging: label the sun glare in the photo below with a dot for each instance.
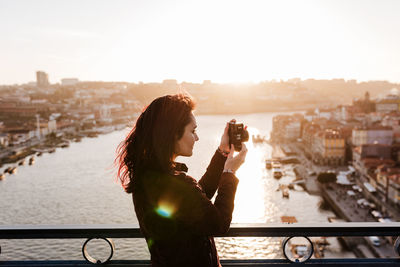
(251, 187)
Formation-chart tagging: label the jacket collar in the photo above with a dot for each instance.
(180, 167)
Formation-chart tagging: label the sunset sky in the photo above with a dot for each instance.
(222, 41)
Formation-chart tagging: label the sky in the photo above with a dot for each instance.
(188, 40)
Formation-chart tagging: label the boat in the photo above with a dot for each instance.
(2, 176)
(52, 150)
(22, 162)
(268, 164)
(277, 172)
(288, 219)
(13, 170)
(7, 170)
(31, 160)
(63, 144)
(92, 134)
(285, 193)
(290, 160)
(276, 164)
(39, 154)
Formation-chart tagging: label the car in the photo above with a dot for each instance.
(384, 220)
(375, 241)
(376, 214)
(357, 188)
(362, 202)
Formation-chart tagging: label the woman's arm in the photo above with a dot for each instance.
(200, 215)
(210, 180)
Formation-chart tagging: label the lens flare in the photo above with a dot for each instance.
(165, 210)
(150, 243)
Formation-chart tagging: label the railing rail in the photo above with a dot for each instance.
(236, 230)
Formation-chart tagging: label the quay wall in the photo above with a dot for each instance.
(333, 204)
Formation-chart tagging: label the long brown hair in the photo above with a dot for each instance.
(151, 142)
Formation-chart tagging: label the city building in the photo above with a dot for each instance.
(389, 103)
(42, 79)
(367, 158)
(364, 105)
(69, 81)
(324, 113)
(372, 135)
(341, 113)
(388, 183)
(328, 147)
(286, 127)
(309, 130)
(170, 83)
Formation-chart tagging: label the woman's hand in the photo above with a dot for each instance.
(234, 162)
(224, 146)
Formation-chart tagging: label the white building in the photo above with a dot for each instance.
(52, 125)
(324, 113)
(376, 135)
(389, 103)
(292, 130)
(69, 81)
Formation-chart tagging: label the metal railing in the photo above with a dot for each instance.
(107, 232)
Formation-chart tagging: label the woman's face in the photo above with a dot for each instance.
(184, 146)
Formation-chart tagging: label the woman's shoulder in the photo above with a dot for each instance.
(180, 181)
(177, 177)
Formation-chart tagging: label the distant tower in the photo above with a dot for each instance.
(42, 79)
(367, 97)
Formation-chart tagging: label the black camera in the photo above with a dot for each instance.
(237, 135)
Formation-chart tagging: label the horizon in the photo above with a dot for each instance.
(225, 41)
(201, 82)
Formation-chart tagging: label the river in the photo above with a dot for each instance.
(77, 185)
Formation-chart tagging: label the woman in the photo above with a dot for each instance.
(175, 212)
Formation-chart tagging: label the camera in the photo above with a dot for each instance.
(237, 135)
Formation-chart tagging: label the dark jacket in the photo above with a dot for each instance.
(178, 218)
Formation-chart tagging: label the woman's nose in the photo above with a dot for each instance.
(197, 137)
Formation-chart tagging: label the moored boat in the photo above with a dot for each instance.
(268, 164)
(63, 144)
(277, 172)
(13, 170)
(285, 192)
(8, 170)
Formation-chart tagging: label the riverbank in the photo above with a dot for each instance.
(344, 204)
(49, 144)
